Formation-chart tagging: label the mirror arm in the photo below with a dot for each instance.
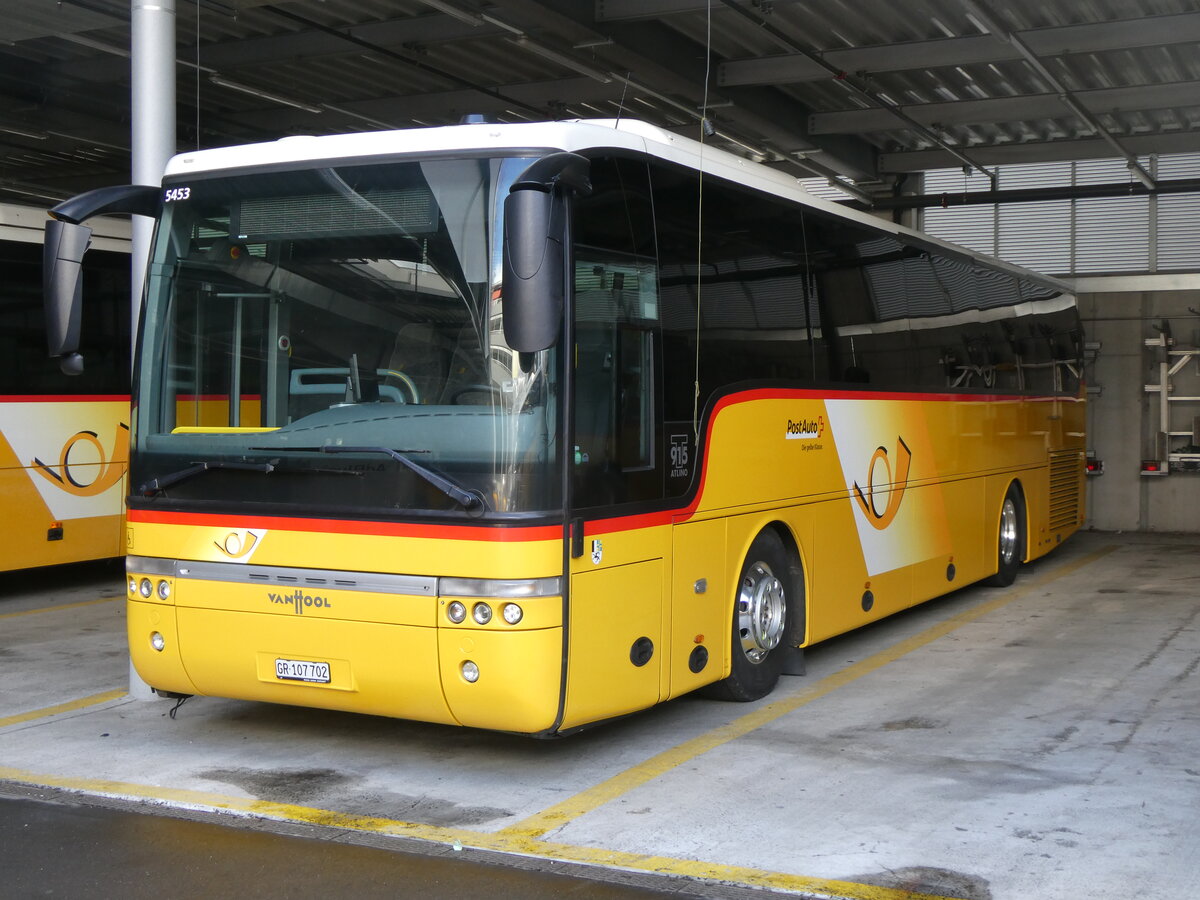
(567, 169)
(134, 199)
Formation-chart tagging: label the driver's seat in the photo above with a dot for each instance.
(422, 354)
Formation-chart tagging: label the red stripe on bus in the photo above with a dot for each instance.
(64, 398)
(608, 525)
(344, 526)
(212, 398)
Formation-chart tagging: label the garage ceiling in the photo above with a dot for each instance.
(858, 90)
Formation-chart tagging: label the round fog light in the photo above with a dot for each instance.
(157, 641)
(456, 612)
(164, 590)
(512, 613)
(470, 672)
(146, 588)
(482, 613)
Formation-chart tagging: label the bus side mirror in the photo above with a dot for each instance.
(535, 238)
(533, 270)
(62, 287)
(62, 260)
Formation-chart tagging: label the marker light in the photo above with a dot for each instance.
(146, 588)
(456, 612)
(470, 672)
(157, 641)
(481, 613)
(512, 613)
(164, 590)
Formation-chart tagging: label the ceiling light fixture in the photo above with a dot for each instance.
(263, 95)
(23, 132)
(473, 19)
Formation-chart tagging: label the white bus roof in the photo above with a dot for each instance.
(540, 137)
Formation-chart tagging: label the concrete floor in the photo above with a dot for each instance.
(1037, 741)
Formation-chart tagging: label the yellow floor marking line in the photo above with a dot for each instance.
(496, 842)
(525, 838)
(47, 711)
(47, 609)
(594, 797)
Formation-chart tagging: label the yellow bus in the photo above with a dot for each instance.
(64, 442)
(526, 427)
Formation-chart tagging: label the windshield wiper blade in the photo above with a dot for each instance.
(471, 501)
(165, 481)
(157, 484)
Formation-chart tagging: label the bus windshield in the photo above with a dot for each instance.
(330, 339)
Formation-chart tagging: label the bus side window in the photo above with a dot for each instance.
(617, 330)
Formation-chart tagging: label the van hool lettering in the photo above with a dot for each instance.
(299, 600)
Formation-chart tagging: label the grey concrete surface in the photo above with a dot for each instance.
(1037, 741)
(66, 850)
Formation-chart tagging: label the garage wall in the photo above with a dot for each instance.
(1119, 314)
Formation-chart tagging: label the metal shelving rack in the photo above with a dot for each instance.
(1171, 452)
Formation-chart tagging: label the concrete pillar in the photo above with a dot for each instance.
(152, 101)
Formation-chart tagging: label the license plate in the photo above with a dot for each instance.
(302, 670)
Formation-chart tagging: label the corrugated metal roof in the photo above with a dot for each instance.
(863, 89)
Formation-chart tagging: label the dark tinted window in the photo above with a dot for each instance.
(25, 367)
(618, 452)
(745, 265)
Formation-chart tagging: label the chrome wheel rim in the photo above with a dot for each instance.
(762, 609)
(1008, 532)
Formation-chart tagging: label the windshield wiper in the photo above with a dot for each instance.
(154, 485)
(164, 481)
(470, 500)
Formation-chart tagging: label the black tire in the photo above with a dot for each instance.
(1010, 538)
(763, 616)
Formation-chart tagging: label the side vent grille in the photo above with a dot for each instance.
(1066, 475)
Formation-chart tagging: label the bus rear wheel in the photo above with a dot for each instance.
(1010, 543)
(762, 620)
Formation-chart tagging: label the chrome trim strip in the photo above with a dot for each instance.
(500, 588)
(149, 565)
(284, 576)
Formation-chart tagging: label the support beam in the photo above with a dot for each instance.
(1034, 195)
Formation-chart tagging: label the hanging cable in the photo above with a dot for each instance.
(197, 74)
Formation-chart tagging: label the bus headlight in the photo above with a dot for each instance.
(132, 585)
(512, 613)
(164, 590)
(146, 588)
(456, 612)
(481, 613)
(470, 672)
(157, 641)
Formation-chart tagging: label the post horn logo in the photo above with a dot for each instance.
(107, 472)
(896, 482)
(238, 545)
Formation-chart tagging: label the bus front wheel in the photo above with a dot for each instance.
(762, 620)
(1010, 543)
